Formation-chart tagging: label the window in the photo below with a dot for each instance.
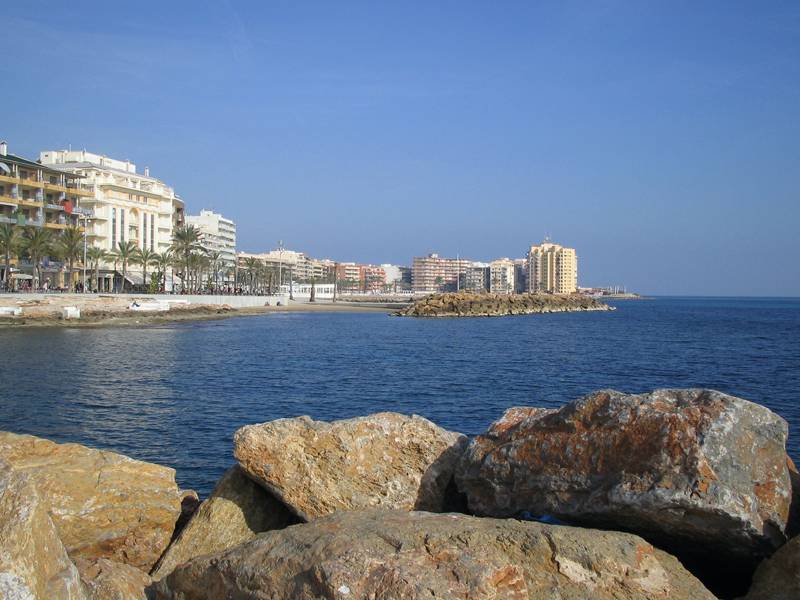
(121, 224)
(144, 232)
(152, 231)
(113, 228)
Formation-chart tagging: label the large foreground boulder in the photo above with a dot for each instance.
(401, 555)
(102, 503)
(778, 578)
(235, 512)
(383, 460)
(690, 469)
(34, 564)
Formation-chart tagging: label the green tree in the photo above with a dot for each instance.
(95, 256)
(10, 245)
(37, 244)
(69, 246)
(214, 258)
(125, 253)
(144, 257)
(162, 262)
(251, 266)
(185, 241)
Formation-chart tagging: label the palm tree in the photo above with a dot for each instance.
(125, 253)
(214, 257)
(251, 266)
(162, 262)
(70, 247)
(10, 243)
(36, 243)
(144, 257)
(96, 255)
(185, 241)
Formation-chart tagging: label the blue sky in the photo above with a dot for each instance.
(661, 139)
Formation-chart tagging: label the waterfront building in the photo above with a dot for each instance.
(552, 268)
(217, 234)
(348, 277)
(434, 273)
(35, 195)
(520, 275)
(125, 205)
(372, 278)
(501, 276)
(475, 278)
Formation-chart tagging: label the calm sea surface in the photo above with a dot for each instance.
(175, 394)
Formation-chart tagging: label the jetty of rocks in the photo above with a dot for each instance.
(463, 304)
(673, 494)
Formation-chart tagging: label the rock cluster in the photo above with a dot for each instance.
(359, 509)
(464, 304)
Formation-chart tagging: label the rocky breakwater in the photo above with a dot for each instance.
(464, 304)
(373, 507)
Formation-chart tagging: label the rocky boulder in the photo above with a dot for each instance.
(778, 578)
(409, 555)
(688, 469)
(109, 580)
(383, 460)
(102, 503)
(34, 564)
(235, 512)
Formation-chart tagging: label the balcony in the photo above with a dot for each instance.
(9, 220)
(55, 225)
(32, 202)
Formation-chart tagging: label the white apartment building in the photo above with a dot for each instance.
(125, 205)
(501, 276)
(552, 268)
(218, 234)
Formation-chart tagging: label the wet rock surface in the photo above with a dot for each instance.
(463, 304)
(396, 554)
(235, 512)
(383, 460)
(103, 504)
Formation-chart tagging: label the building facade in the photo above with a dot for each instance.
(501, 276)
(35, 195)
(475, 278)
(217, 234)
(552, 269)
(434, 273)
(125, 205)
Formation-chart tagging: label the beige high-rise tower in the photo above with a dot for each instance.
(552, 268)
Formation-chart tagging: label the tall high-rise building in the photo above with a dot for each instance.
(126, 205)
(552, 268)
(218, 234)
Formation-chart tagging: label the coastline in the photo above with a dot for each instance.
(117, 314)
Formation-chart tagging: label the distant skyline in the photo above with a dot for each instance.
(661, 140)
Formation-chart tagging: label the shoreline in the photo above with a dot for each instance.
(178, 314)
